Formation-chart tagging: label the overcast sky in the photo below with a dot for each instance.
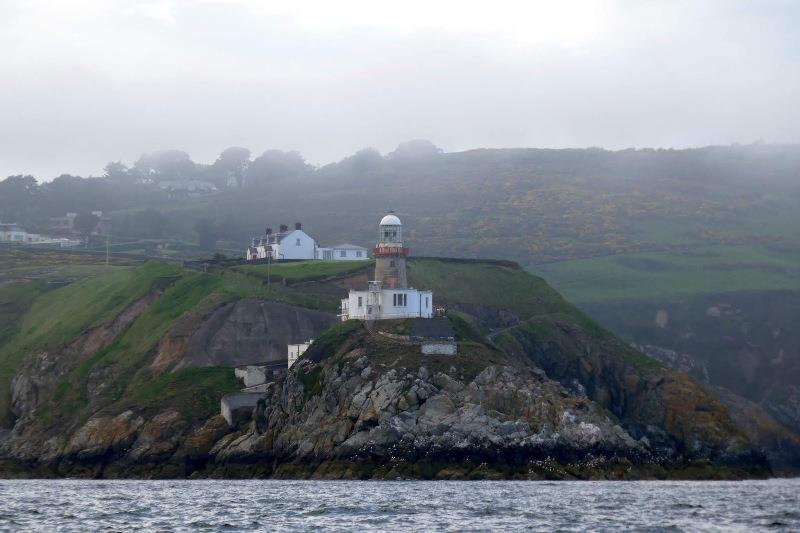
(83, 82)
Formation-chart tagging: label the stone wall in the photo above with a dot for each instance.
(237, 407)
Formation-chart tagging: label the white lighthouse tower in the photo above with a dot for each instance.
(389, 295)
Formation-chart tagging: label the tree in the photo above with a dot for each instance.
(85, 223)
(231, 167)
(116, 170)
(364, 161)
(276, 164)
(17, 195)
(415, 149)
(165, 165)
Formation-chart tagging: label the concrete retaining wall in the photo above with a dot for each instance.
(237, 407)
(439, 348)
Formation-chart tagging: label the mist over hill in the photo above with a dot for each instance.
(530, 205)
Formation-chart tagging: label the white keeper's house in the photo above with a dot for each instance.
(286, 244)
(296, 244)
(389, 295)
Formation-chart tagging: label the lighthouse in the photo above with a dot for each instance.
(390, 254)
(388, 296)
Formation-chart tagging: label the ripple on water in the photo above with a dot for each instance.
(225, 505)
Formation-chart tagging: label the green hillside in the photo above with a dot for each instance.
(39, 318)
(51, 320)
(97, 339)
(658, 276)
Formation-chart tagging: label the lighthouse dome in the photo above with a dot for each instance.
(390, 220)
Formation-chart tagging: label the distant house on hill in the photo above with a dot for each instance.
(14, 233)
(177, 188)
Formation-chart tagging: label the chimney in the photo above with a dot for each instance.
(284, 228)
(297, 225)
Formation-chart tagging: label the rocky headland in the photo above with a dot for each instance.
(536, 391)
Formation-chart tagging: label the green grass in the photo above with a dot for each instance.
(661, 275)
(488, 284)
(61, 315)
(303, 270)
(123, 360)
(15, 300)
(195, 392)
(332, 339)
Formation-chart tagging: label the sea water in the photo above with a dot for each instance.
(81, 505)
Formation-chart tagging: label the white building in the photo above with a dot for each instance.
(389, 296)
(15, 234)
(343, 252)
(294, 351)
(187, 187)
(378, 303)
(298, 245)
(286, 244)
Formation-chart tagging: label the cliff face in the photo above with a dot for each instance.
(677, 416)
(536, 391)
(237, 333)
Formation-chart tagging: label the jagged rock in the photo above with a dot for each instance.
(102, 435)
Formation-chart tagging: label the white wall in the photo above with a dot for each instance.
(439, 348)
(296, 245)
(294, 351)
(238, 405)
(417, 304)
(349, 254)
(342, 254)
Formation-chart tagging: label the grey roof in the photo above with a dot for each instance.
(349, 246)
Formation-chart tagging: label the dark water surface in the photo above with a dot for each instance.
(80, 505)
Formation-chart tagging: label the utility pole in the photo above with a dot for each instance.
(269, 262)
(108, 236)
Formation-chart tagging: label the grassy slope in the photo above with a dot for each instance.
(652, 276)
(302, 270)
(125, 358)
(501, 286)
(493, 284)
(59, 316)
(49, 320)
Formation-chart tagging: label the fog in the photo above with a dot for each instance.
(86, 82)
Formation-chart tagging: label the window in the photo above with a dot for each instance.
(394, 299)
(358, 253)
(426, 302)
(342, 253)
(399, 300)
(297, 242)
(391, 263)
(405, 300)
(360, 301)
